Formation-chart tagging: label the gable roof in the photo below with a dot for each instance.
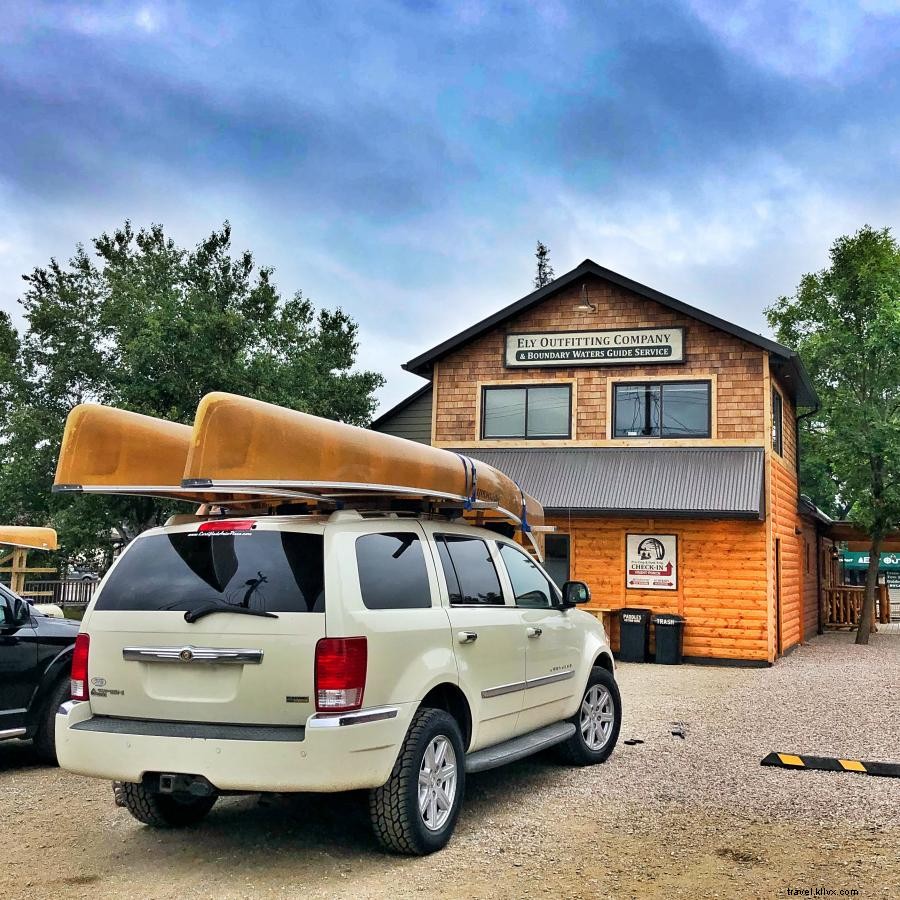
(786, 362)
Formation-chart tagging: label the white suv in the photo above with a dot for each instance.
(330, 653)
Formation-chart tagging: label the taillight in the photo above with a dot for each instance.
(340, 673)
(80, 667)
(217, 526)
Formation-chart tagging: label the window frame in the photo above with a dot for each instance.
(6, 607)
(777, 423)
(493, 555)
(414, 537)
(567, 538)
(554, 591)
(526, 386)
(662, 384)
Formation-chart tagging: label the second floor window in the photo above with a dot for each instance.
(542, 411)
(677, 409)
(777, 423)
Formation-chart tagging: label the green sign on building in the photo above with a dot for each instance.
(857, 560)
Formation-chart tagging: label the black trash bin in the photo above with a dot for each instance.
(634, 635)
(669, 637)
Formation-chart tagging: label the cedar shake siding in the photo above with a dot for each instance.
(737, 368)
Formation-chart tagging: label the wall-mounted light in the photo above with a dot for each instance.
(585, 305)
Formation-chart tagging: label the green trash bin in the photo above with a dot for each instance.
(669, 638)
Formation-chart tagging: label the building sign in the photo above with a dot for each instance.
(651, 562)
(596, 348)
(893, 580)
(859, 559)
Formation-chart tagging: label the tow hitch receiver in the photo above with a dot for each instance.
(195, 785)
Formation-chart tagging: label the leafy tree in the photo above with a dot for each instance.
(146, 325)
(845, 322)
(818, 479)
(544, 274)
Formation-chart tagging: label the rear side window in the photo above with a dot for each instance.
(392, 573)
(469, 570)
(270, 571)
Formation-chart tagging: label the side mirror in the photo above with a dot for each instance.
(575, 593)
(15, 612)
(21, 612)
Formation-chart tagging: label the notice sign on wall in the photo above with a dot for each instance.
(596, 348)
(651, 562)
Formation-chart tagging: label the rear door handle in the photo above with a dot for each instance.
(533, 631)
(467, 637)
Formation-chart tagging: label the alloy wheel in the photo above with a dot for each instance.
(597, 717)
(437, 783)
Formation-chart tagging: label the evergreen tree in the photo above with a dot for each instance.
(544, 274)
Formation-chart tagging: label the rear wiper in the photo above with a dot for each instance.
(193, 614)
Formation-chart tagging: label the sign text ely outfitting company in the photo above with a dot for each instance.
(596, 348)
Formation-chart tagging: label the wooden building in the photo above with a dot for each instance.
(662, 441)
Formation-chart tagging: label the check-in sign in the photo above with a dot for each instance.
(595, 348)
(651, 562)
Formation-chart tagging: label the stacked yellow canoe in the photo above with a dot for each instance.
(244, 451)
(28, 537)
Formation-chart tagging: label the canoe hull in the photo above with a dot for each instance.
(28, 537)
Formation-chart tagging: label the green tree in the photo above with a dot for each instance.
(845, 323)
(544, 273)
(818, 479)
(146, 325)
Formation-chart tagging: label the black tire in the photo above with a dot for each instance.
(45, 736)
(575, 751)
(394, 807)
(162, 810)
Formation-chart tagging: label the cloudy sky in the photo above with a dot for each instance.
(400, 159)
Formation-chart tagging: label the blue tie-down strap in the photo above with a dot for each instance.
(525, 526)
(469, 467)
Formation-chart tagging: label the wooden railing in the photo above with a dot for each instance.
(18, 568)
(843, 605)
(62, 593)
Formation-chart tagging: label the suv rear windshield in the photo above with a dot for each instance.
(270, 571)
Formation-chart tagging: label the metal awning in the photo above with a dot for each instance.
(715, 482)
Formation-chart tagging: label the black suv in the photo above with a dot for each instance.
(35, 665)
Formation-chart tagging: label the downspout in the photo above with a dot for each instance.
(820, 629)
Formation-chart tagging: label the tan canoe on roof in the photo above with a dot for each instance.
(246, 445)
(113, 451)
(244, 451)
(28, 537)
(108, 450)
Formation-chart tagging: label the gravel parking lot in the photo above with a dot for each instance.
(671, 817)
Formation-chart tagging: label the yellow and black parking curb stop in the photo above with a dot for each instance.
(832, 764)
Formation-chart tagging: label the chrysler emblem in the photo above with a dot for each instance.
(186, 655)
